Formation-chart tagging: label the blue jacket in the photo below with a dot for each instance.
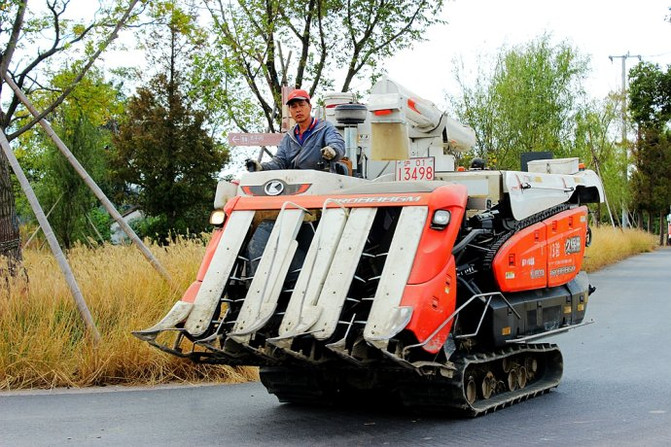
(291, 155)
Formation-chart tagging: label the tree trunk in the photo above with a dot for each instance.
(10, 245)
(661, 229)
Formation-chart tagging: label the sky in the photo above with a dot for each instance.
(478, 29)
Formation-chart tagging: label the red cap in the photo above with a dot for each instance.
(298, 94)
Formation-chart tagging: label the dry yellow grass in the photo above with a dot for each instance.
(610, 245)
(42, 338)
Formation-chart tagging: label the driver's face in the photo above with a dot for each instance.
(300, 110)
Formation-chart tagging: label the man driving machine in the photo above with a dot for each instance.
(308, 145)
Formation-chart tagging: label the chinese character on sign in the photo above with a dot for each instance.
(254, 139)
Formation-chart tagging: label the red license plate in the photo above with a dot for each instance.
(422, 168)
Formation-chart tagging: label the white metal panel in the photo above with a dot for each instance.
(532, 192)
(177, 314)
(271, 272)
(341, 273)
(555, 166)
(382, 320)
(319, 182)
(588, 178)
(478, 183)
(302, 311)
(219, 271)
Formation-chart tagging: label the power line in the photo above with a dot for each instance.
(654, 56)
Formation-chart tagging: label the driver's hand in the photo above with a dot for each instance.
(253, 165)
(328, 153)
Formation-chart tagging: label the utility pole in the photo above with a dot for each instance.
(624, 58)
(623, 111)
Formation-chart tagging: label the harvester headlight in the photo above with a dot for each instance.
(217, 217)
(440, 219)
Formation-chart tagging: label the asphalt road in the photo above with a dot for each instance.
(616, 391)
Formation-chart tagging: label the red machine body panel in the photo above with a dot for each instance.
(432, 289)
(521, 264)
(566, 244)
(432, 303)
(546, 254)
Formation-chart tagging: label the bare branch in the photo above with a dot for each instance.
(6, 57)
(81, 74)
(358, 45)
(250, 17)
(396, 35)
(305, 45)
(322, 45)
(265, 60)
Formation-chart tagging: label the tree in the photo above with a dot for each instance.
(64, 188)
(650, 95)
(164, 149)
(476, 108)
(82, 122)
(650, 107)
(529, 103)
(255, 42)
(650, 180)
(33, 40)
(596, 125)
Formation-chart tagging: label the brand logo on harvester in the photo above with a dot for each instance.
(572, 245)
(381, 199)
(273, 188)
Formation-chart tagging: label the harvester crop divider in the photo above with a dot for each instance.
(342, 269)
(313, 273)
(179, 312)
(308, 316)
(216, 333)
(175, 350)
(340, 347)
(382, 323)
(216, 277)
(266, 287)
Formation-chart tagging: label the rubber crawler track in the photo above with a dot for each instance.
(426, 394)
(449, 395)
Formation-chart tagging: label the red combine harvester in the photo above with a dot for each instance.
(434, 291)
